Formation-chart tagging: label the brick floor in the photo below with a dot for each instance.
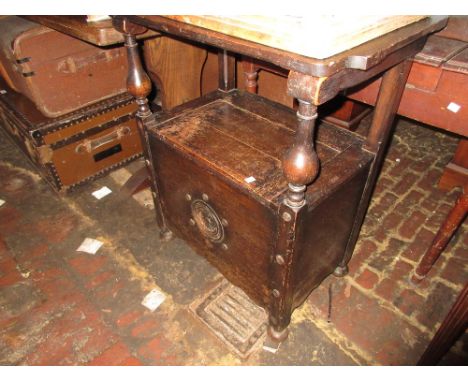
(62, 307)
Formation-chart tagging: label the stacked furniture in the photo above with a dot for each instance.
(64, 102)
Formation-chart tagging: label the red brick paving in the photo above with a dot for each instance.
(113, 356)
(364, 249)
(76, 308)
(157, 351)
(387, 289)
(366, 323)
(146, 328)
(419, 245)
(56, 228)
(367, 279)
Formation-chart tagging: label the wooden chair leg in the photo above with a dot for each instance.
(456, 172)
(446, 231)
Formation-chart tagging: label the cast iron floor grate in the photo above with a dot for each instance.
(233, 318)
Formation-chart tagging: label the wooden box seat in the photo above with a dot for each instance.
(221, 187)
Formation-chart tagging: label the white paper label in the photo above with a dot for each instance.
(90, 246)
(453, 107)
(99, 194)
(250, 179)
(2, 202)
(153, 299)
(270, 349)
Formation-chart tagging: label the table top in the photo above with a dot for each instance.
(338, 33)
(292, 43)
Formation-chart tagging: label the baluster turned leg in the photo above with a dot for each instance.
(301, 164)
(139, 85)
(300, 167)
(250, 75)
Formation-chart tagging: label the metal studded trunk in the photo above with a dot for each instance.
(76, 147)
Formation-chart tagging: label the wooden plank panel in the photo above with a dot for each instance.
(459, 63)
(438, 50)
(238, 143)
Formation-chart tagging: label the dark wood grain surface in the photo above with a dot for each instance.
(210, 147)
(100, 33)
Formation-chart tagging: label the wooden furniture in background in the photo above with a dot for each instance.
(289, 268)
(175, 66)
(271, 83)
(100, 33)
(59, 73)
(436, 92)
(444, 234)
(456, 172)
(77, 147)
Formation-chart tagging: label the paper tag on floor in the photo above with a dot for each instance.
(250, 179)
(90, 246)
(453, 107)
(99, 194)
(2, 202)
(153, 299)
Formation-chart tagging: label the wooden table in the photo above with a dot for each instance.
(315, 76)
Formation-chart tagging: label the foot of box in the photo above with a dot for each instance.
(166, 235)
(340, 271)
(274, 339)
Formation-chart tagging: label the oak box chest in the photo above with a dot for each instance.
(220, 187)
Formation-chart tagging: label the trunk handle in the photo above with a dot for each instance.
(90, 145)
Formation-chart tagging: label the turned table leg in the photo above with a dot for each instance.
(301, 164)
(443, 236)
(300, 167)
(391, 90)
(139, 86)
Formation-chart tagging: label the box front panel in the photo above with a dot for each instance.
(231, 230)
(323, 233)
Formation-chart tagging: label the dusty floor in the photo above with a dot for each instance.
(62, 307)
